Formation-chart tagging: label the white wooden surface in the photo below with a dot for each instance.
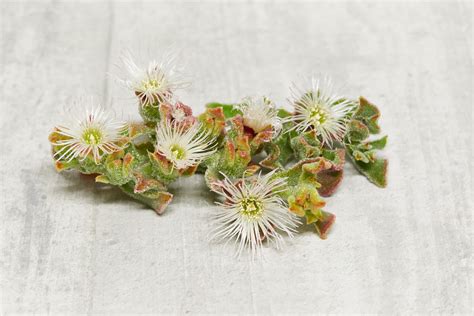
(69, 246)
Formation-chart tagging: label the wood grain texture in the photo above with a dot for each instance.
(70, 246)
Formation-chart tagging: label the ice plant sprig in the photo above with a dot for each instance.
(184, 147)
(236, 146)
(154, 83)
(319, 109)
(96, 133)
(252, 211)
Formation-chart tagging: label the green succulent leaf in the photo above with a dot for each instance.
(229, 110)
(213, 120)
(368, 114)
(363, 152)
(282, 113)
(378, 144)
(150, 113)
(375, 171)
(357, 131)
(306, 146)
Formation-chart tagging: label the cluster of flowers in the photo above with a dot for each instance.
(270, 168)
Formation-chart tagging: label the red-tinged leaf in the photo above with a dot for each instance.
(143, 184)
(369, 114)
(324, 225)
(159, 204)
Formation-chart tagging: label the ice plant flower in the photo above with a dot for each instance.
(319, 109)
(252, 212)
(259, 114)
(96, 133)
(155, 83)
(178, 113)
(183, 146)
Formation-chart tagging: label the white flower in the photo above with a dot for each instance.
(259, 113)
(96, 133)
(319, 109)
(253, 211)
(184, 147)
(154, 83)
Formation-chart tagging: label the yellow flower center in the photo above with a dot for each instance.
(92, 136)
(150, 84)
(178, 152)
(318, 115)
(251, 207)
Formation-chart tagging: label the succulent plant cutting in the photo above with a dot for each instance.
(270, 168)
